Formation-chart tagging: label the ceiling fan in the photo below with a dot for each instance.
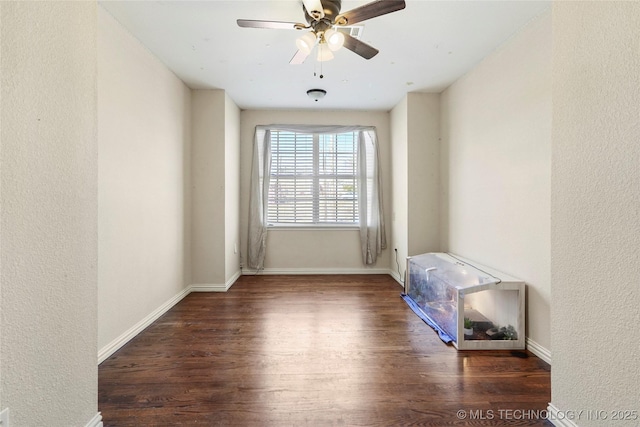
(324, 20)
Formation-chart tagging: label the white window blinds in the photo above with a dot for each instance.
(313, 178)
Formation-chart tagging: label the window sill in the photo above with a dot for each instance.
(315, 227)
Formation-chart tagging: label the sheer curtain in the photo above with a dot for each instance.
(259, 198)
(372, 232)
(373, 238)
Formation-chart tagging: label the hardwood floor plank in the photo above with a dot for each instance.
(338, 350)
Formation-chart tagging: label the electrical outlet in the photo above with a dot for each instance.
(235, 248)
(4, 418)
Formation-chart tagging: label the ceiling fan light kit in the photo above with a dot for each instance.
(316, 94)
(334, 39)
(322, 16)
(324, 54)
(306, 42)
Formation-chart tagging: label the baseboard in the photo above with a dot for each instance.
(116, 344)
(301, 271)
(212, 287)
(397, 277)
(558, 418)
(96, 421)
(538, 350)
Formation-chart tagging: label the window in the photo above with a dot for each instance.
(313, 179)
(315, 175)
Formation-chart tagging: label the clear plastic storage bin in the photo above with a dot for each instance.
(473, 306)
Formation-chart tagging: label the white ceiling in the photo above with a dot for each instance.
(423, 48)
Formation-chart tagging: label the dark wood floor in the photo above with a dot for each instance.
(314, 351)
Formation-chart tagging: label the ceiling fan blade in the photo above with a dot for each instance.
(369, 10)
(314, 8)
(298, 58)
(361, 48)
(250, 23)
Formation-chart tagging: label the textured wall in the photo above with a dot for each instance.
(595, 267)
(313, 250)
(144, 137)
(49, 213)
(1, 220)
(496, 166)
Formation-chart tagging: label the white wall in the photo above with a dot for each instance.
(312, 250)
(215, 178)
(399, 220)
(49, 209)
(496, 159)
(415, 130)
(144, 219)
(232, 189)
(1, 201)
(423, 163)
(595, 213)
(208, 180)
